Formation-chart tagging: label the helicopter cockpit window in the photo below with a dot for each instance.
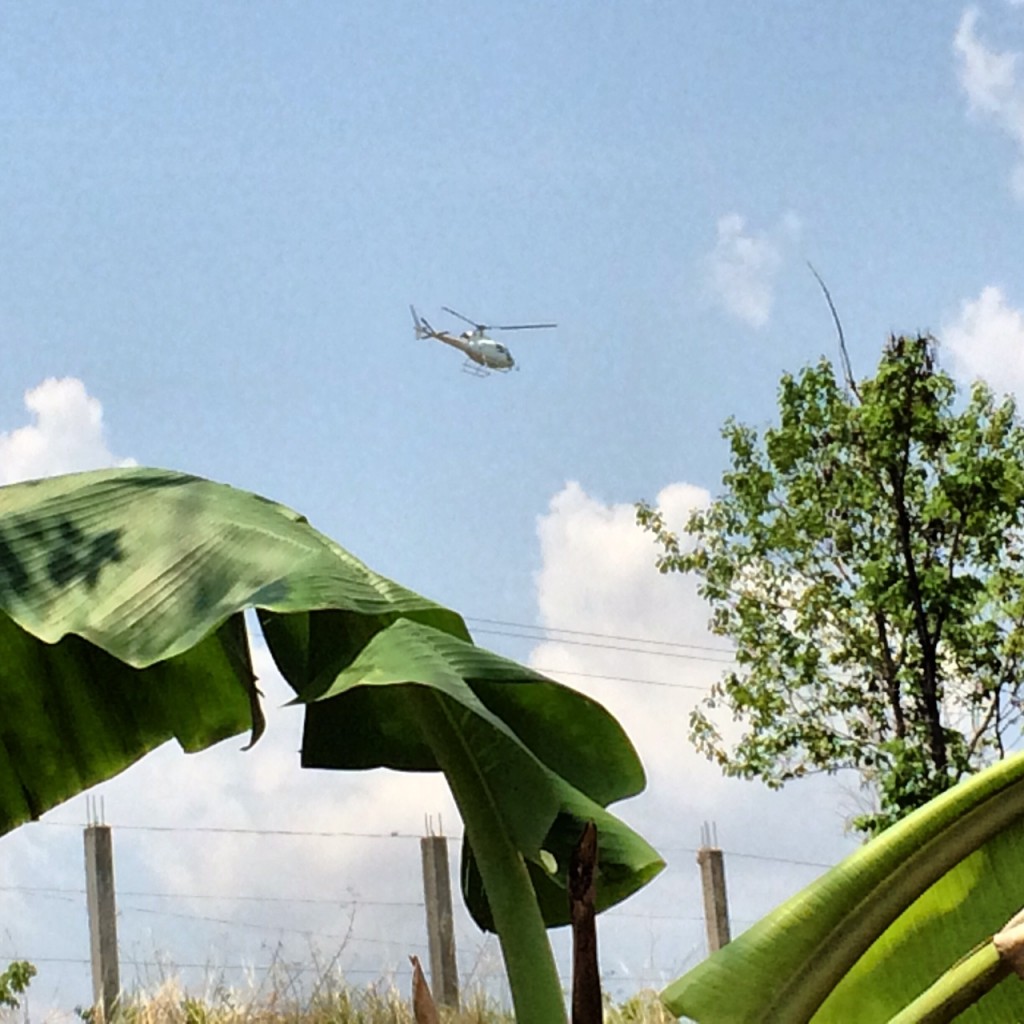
(502, 349)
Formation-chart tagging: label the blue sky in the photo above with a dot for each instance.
(214, 221)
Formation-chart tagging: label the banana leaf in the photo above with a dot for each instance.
(898, 916)
(550, 757)
(122, 600)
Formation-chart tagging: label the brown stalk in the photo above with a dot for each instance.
(423, 1009)
(586, 981)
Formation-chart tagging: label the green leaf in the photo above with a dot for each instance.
(144, 563)
(75, 715)
(339, 735)
(572, 734)
(121, 601)
(121, 595)
(876, 931)
(528, 737)
(626, 863)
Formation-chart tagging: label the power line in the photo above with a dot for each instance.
(245, 898)
(601, 636)
(231, 923)
(612, 647)
(780, 860)
(225, 830)
(259, 926)
(353, 901)
(622, 679)
(58, 893)
(317, 834)
(748, 856)
(291, 968)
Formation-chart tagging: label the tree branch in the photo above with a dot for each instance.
(929, 680)
(843, 354)
(892, 682)
(980, 731)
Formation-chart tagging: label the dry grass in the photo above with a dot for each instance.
(329, 1004)
(643, 1008)
(333, 1002)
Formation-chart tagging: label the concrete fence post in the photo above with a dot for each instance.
(712, 878)
(437, 895)
(101, 903)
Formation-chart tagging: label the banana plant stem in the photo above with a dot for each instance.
(960, 987)
(537, 996)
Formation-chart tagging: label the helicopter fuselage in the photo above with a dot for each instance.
(480, 349)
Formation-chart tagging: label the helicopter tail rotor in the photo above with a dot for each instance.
(420, 325)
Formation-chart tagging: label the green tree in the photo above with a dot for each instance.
(14, 981)
(865, 558)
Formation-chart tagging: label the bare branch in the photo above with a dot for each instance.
(844, 355)
(983, 727)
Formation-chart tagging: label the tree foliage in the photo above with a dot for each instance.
(14, 981)
(865, 558)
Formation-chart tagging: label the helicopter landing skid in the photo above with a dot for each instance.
(474, 370)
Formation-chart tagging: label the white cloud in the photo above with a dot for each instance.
(580, 530)
(994, 87)
(66, 434)
(986, 340)
(597, 576)
(743, 266)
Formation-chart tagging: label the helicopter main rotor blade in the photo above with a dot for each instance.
(498, 327)
(472, 323)
(523, 327)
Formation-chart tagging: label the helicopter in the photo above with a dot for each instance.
(483, 354)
